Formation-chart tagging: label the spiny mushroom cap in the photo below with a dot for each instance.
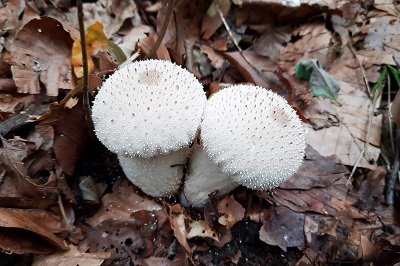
(253, 135)
(148, 108)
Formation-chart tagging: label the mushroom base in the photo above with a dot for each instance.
(204, 179)
(157, 176)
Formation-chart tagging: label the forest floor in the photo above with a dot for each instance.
(64, 199)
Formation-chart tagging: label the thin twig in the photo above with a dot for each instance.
(230, 33)
(85, 82)
(360, 65)
(390, 120)
(364, 150)
(170, 9)
(391, 179)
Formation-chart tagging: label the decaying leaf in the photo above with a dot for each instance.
(120, 204)
(72, 257)
(284, 228)
(231, 211)
(111, 13)
(201, 229)
(41, 53)
(346, 139)
(20, 233)
(96, 41)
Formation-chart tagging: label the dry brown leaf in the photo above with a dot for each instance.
(112, 14)
(260, 72)
(388, 6)
(121, 203)
(270, 43)
(131, 38)
(231, 210)
(316, 171)
(285, 228)
(41, 52)
(72, 257)
(184, 26)
(10, 14)
(20, 234)
(146, 44)
(71, 132)
(177, 221)
(15, 103)
(313, 41)
(347, 139)
(383, 35)
(211, 21)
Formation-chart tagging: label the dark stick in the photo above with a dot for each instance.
(170, 9)
(391, 179)
(85, 85)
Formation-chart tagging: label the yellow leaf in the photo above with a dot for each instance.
(96, 41)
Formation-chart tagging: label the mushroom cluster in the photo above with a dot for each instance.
(149, 113)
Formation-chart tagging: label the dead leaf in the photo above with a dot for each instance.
(10, 14)
(200, 228)
(284, 228)
(271, 42)
(39, 56)
(347, 139)
(316, 171)
(177, 221)
(388, 6)
(131, 38)
(112, 14)
(211, 21)
(260, 72)
(20, 234)
(72, 257)
(71, 132)
(232, 211)
(312, 42)
(121, 203)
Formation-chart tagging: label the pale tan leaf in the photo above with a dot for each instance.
(72, 257)
(388, 6)
(201, 229)
(232, 211)
(346, 139)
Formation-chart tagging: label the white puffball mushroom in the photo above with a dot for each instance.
(147, 109)
(166, 168)
(204, 178)
(253, 135)
(250, 136)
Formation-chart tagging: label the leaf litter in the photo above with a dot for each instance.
(60, 190)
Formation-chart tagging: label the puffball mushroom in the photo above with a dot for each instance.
(204, 178)
(148, 113)
(251, 135)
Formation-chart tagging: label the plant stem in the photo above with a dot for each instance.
(85, 80)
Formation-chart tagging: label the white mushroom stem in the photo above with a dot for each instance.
(158, 176)
(204, 179)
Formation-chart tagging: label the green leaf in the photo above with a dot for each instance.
(304, 68)
(395, 73)
(322, 84)
(117, 53)
(381, 80)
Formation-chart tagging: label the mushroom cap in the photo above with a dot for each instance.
(148, 108)
(253, 135)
